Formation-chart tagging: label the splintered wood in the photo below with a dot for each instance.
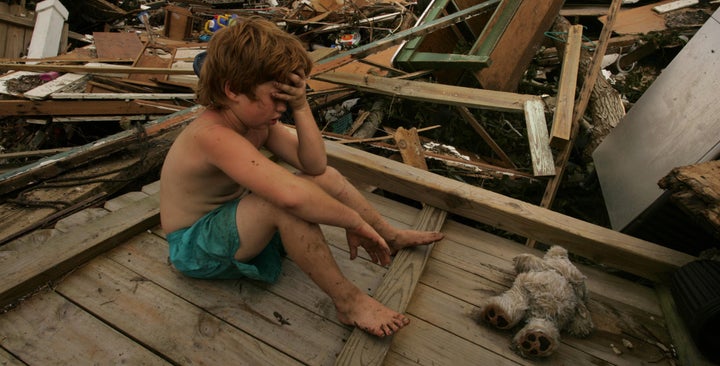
(696, 190)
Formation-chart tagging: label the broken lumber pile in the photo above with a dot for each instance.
(379, 66)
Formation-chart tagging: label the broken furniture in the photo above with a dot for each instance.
(501, 45)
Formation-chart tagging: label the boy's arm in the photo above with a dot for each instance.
(241, 161)
(305, 149)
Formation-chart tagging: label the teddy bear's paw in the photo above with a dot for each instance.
(496, 315)
(536, 343)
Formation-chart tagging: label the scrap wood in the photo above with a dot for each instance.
(43, 204)
(117, 45)
(351, 55)
(562, 119)
(530, 105)
(29, 108)
(33, 153)
(675, 5)
(29, 23)
(594, 242)
(59, 83)
(432, 92)
(696, 190)
(150, 57)
(638, 20)
(589, 80)
(400, 281)
(529, 20)
(122, 96)
(470, 167)
(95, 69)
(56, 164)
(342, 139)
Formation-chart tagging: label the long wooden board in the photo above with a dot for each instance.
(31, 108)
(597, 243)
(432, 92)
(134, 290)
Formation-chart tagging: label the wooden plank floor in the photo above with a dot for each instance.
(130, 306)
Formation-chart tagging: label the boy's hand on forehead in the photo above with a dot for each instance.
(295, 92)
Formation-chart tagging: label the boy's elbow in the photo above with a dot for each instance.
(290, 200)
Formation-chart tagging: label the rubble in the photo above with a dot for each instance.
(485, 74)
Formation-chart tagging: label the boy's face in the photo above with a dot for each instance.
(262, 112)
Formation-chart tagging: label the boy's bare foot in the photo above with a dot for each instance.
(369, 315)
(409, 238)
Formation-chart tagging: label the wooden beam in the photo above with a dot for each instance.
(562, 120)
(530, 105)
(432, 92)
(55, 164)
(34, 153)
(589, 79)
(123, 96)
(400, 281)
(540, 153)
(28, 108)
(594, 242)
(114, 69)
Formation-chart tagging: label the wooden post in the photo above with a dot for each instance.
(562, 120)
(404, 273)
(51, 16)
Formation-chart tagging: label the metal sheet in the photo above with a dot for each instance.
(675, 123)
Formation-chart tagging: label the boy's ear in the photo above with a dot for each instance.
(228, 92)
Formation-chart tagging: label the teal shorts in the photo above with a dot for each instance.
(207, 249)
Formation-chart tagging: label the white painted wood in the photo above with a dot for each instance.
(538, 138)
(675, 5)
(123, 96)
(42, 91)
(51, 16)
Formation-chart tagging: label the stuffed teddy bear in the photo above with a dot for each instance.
(548, 295)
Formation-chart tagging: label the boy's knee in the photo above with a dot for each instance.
(332, 174)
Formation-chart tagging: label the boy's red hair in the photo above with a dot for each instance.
(245, 55)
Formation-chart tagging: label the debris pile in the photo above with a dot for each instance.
(509, 95)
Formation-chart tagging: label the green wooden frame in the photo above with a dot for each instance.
(415, 56)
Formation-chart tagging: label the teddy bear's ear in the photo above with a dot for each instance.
(556, 251)
(527, 262)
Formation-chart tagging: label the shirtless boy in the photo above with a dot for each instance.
(231, 212)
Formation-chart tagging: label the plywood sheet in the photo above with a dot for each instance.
(639, 20)
(120, 46)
